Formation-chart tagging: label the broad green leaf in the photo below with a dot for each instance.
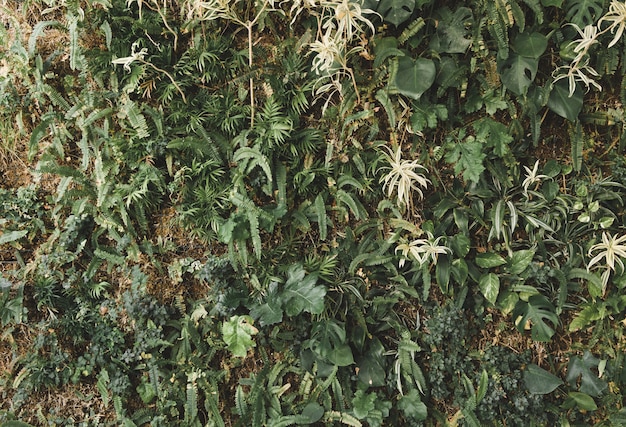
(312, 413)
(467, 158)
(489, 285)
(12, 236)
(268, 313)
(555, 3)
(412, 77)
(395, 12)
(442, 273)
(460, 243)
(363, 403)
(237, 334)
(452, 32)
(562, 104)
(459, 271)
(581, 368)
(520, 260)
(540, 381)
(412, 406)
(584, 12)
(537, 313)
(530, 45)
(385, 48)
(583, 401)
(483, 384)
(518, 72)
(328, 341)
(320, 210)
(489, 260)
(301, 294)
(589, 314)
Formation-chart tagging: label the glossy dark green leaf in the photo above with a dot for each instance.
(538, 313)
(489, 260)
(583, 401)
(520, 260)
(540, 381)
(564, 105)
(583, 369)
(518, 72)
(489, 286)
(530, 45)
(413, 77)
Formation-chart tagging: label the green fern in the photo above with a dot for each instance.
(38, 31)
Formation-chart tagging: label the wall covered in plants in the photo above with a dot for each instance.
(312, 212)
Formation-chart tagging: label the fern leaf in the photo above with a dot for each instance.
(355, 206)
(252, 157)
(411, 30)
(76, 56)
(101, 385)
(535, 6)
(498, 30)
(191, 405)
(38, 31)
(136, 119)
(383, 98)
(369, 259)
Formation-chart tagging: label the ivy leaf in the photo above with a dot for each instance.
(581, 368)
(540, 381)
(412, 406)
(489, 285)
(300, 293)
(564, 105)
(237, 334)
(412, 77)
(537, 312)
(467, 158)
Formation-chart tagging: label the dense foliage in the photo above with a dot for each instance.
(324, 212)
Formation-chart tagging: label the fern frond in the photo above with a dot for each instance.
(76, 55)
(191, 404)
(413, 28)
(251, 157)
(38, 31)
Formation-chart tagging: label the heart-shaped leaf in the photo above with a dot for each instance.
(412, 77)
(540, 381)
(530, 45)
